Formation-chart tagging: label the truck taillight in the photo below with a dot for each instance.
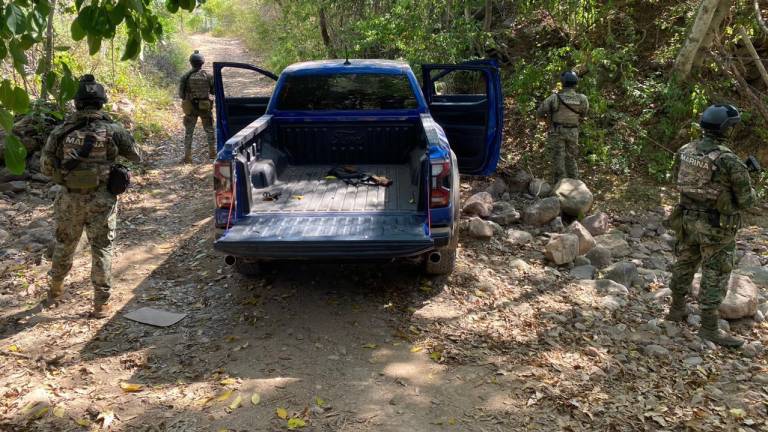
(222, 184)
(440, 192)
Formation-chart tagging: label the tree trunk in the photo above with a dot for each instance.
(753, 52)
(759, 16)
(723, 9)
(325, 35)
(48, 57)
(701, 26)
(488, 18)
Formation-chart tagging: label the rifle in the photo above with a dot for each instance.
(753, 165)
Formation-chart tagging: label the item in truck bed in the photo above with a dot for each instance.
(355, 178)
(271, 196)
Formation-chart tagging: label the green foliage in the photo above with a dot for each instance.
(24, 25)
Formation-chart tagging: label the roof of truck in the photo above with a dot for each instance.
(354, 66)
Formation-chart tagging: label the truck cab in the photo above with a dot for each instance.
(352, 160)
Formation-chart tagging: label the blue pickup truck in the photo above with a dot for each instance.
(352, 160)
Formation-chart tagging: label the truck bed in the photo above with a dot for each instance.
(304, 188)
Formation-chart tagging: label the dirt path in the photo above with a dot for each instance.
(508, 342)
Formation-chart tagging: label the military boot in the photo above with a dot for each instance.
(100, 305)
(678, 311)
(187, 159)
(55, 291)
(711, 331)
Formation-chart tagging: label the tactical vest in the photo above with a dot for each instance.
(93, 168)
(198, 85)
(562, 114)
(696, 173)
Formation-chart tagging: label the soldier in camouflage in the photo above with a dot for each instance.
(564, 109)
(715, 188)
(78, 155)
(195, 89)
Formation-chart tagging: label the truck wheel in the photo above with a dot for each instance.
(247, 267)
(444, 265)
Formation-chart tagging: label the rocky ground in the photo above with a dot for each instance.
(546, 324)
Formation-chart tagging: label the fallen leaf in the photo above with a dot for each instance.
(298, 197)
(451, 421)
(282, 413)
(58, 412)
(737, 412)
(40, 412)
(224, 396)
(255, 399)
(14, 348)
(106, 418)
(235, 403)
(370, 346)
(295, 423)
(415, 349)
(84, 422)
(319, 401)
(436, 355)
(228, 381)
(330, 177)
(130, 387)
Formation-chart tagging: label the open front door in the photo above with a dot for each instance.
(242, 94)
(466, 100)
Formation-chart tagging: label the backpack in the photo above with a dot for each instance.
(198, 85)
(696, 172)
(92, 142)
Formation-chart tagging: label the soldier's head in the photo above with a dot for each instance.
(90, 94)
(718, 120)
(569, 79)
(196, 60)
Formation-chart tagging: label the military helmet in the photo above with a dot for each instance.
(717, 119)
(569, 79)
(196, 59)
(89, 91)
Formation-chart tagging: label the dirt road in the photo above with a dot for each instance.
(508, 342)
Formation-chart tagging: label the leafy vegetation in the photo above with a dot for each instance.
(35, 62)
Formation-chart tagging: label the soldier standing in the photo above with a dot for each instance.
(195, 89)
(80, 156)
(715, 188)
(564, 109)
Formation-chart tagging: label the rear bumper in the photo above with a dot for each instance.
(342, 237)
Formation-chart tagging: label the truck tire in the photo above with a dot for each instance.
(247, 268)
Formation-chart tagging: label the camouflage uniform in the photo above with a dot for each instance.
(93, 209)
(563, 138)
(715, 188)
(195, 87)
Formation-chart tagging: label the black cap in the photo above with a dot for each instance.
(196, 59)
(90, 91)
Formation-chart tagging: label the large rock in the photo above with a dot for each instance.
(518, 238)
(519, 181)
(562, 249)
(4, 236)
(597, 224)
(539, 188)
(542, 212)
(575, 197)
(586, 241)
(604, 287)
(741, 300)
(583, 272)
(15, 186)
(504, 213)
(480, 229)
(479, 204)
(497, 188)
(615, 243)
(623, 272)
(600, 257)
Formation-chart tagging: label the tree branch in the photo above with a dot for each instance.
(759, 15)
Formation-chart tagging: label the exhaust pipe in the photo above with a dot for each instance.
(230, 260)
(435, 257)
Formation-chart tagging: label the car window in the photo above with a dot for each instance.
(346, 92)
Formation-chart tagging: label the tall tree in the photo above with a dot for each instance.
(708, 19)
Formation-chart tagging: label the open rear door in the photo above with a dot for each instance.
(242, 94)
(466, 100)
